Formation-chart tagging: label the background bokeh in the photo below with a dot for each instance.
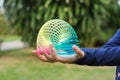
(95, 21)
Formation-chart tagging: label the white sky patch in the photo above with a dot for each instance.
(1, 3)
(119, 2)
(1, 7)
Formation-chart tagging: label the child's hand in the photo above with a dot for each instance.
(54, 57)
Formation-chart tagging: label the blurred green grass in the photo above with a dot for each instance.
(23, 65)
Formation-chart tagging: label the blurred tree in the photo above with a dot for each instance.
(112, 22)
(86, 16)
(114, 15)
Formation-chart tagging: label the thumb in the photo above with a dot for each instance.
(78, 51)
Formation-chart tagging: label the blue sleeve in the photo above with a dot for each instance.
(108, 55)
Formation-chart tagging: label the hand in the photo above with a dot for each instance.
(54, 57)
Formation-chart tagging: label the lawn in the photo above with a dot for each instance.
(23, 65)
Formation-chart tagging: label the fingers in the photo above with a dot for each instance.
(34, 51)
(61, 59)
(41, 57)
(53, 53)
(57, 58)
(44, 56)
(54, 57)
(78, 51)
(48, 57)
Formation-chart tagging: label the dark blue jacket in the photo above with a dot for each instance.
(108, 55)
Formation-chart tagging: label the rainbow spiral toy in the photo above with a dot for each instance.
(60, 34)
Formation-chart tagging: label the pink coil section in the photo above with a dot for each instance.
(41, 49)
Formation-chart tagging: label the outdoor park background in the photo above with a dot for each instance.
(95, 21)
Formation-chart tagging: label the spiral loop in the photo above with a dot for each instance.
(60, 34)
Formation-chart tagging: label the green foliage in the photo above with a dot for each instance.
(3, 28)
(3, 25)
(88, 17)
(112, 22)
(114, 17)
